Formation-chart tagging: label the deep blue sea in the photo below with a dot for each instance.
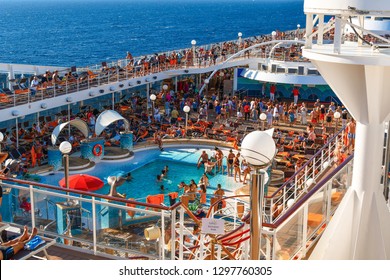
(85, 32)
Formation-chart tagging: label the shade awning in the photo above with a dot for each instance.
(78, 123)
(106, 118)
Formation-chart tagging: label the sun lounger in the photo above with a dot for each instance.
(26, 254)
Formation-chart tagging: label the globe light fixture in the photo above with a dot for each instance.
(65, 147)
(165, 87)
(239, 34)
(153, 97)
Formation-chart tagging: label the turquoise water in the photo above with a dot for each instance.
(146, 165)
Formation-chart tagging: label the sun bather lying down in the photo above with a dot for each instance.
(10, 248)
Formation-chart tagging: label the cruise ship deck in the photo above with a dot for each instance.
(308, 181)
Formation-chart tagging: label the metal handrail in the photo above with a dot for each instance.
(307, 196)
(305, 165)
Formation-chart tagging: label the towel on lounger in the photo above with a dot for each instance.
(34, 243)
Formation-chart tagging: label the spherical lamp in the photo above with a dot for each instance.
(258, 148)
(290, 203)
(239, 34)
(206, 81)
(65, 147)
(153, 97)
(165, 87)
(309, 182)
(193, 42)
(273, 33)
(325, 165)
(186, 109)
(263, 116)
(337, 115)
(298, 26)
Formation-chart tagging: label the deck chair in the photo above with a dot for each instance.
(7, 91)
(18, 90)
(15, 154)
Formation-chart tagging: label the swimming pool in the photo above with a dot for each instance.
(147, 164)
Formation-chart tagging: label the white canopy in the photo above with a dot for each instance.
(78, 123)
(106, 118)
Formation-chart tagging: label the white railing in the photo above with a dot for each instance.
(303, 179)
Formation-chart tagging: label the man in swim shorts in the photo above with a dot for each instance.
(204, 157)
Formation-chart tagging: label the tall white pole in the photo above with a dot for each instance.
(256, 215)
(17, 132)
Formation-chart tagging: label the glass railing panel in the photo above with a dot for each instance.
(316, 215)
(131, 231)
(288, 237)
(339, 188)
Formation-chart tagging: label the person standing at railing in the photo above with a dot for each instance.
(344, 117)
(295, 92)
(351, 130)
(272, 91)
(34, 86)
(303, 111)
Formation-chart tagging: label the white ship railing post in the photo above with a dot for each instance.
(94, 228)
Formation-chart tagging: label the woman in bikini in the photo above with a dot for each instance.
(230, 161)
(237, 170)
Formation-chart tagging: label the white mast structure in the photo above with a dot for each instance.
(359, 73)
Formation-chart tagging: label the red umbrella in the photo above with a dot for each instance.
(83, 182)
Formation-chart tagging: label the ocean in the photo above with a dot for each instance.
(86, 32)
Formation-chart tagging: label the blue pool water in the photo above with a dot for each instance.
(147, 164)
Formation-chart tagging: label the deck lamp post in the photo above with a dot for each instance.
(221, 75)
(65, 148)
(263, 117)
(193, 43)
(258, 148)
(336, 116)
(239, 39)
(153, 98)
(298, 30)
(273, 35)
(206, 82)
(186, 110)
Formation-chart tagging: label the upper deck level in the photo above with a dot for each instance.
(267, 54)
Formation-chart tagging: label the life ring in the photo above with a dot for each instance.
(97, 150)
